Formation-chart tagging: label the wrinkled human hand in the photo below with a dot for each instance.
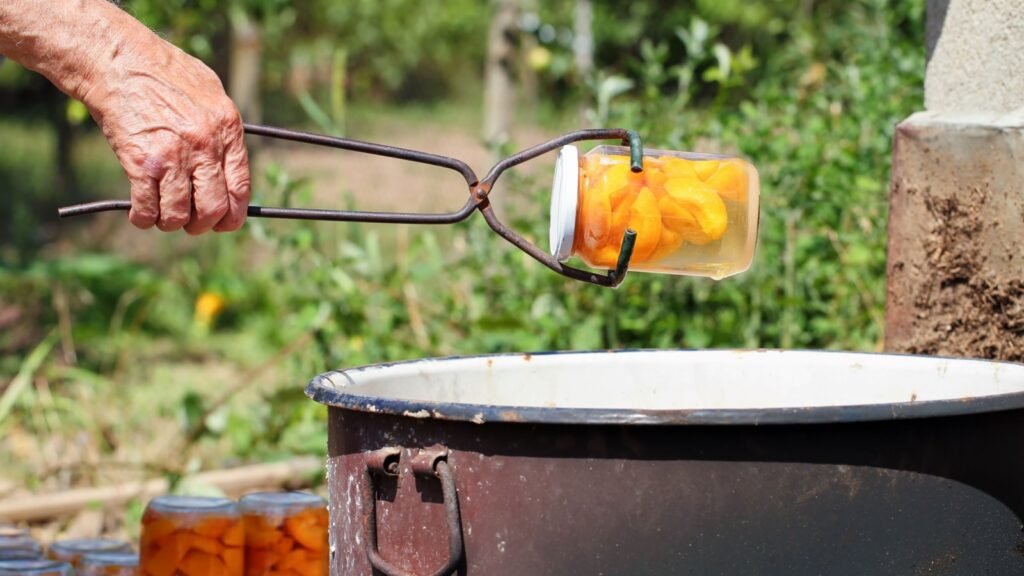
(177, 135)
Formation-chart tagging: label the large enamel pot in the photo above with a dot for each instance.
(677, 462)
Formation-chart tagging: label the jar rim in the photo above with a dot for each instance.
(111, 559)
(293, 499)
(79, 545)
(174, 503)
(35, 566)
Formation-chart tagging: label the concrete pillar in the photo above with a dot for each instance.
(956, 223)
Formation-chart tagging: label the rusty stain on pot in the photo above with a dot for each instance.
(510, 416)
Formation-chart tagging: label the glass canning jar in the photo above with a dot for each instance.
(192, 536)
(285, 533)
(694, 214)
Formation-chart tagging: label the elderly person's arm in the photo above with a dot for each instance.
(174, 130)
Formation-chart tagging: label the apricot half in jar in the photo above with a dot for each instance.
(708, 217)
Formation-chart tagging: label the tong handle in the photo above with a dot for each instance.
(320, 214)
(294, 213)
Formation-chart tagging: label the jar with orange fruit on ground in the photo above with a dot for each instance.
(285, 534)
(694, 214)
(192, 536)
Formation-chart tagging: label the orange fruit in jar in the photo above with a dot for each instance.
(234, 559)
(286, 534)
(198, 563)
(620, 221)
(678, 167)
(157, 529)
(655, 178)
(259, 534)
(607, 256)
(669, 242)
(645, 219)
(595, 218)
(202, 543)
(701, 216)
(678, 219)
(214, 527)
(705, 168)
(674, 202)
(619, 176)
(730, 181)
(307, 529)
(234, 536)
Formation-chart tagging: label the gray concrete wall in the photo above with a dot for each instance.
(975, 56)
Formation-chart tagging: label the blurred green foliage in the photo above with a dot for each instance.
(397, 49)
(809, 90)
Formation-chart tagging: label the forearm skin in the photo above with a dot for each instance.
(73, 43)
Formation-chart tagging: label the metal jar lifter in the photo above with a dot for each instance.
(479, 191)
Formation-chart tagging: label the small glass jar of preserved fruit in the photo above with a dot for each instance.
(192, 536)
(285, 533)
(72, 550)
(693, 214)
(17, 544)
(38, 567)
(109, 564)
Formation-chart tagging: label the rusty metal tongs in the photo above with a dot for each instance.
(478, 193)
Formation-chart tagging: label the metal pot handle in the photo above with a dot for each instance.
(428, 462)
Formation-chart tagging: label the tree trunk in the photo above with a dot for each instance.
(499, 87)
(65, 185)
(583, 38)
(246, 66)
(583, 48)
(528, 80)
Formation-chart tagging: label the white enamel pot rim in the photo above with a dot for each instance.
(677, 387)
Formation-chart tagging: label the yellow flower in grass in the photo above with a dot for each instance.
(209, 305)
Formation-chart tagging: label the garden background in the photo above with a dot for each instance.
(127, 354)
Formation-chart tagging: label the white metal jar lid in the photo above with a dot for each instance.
(564, 196)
